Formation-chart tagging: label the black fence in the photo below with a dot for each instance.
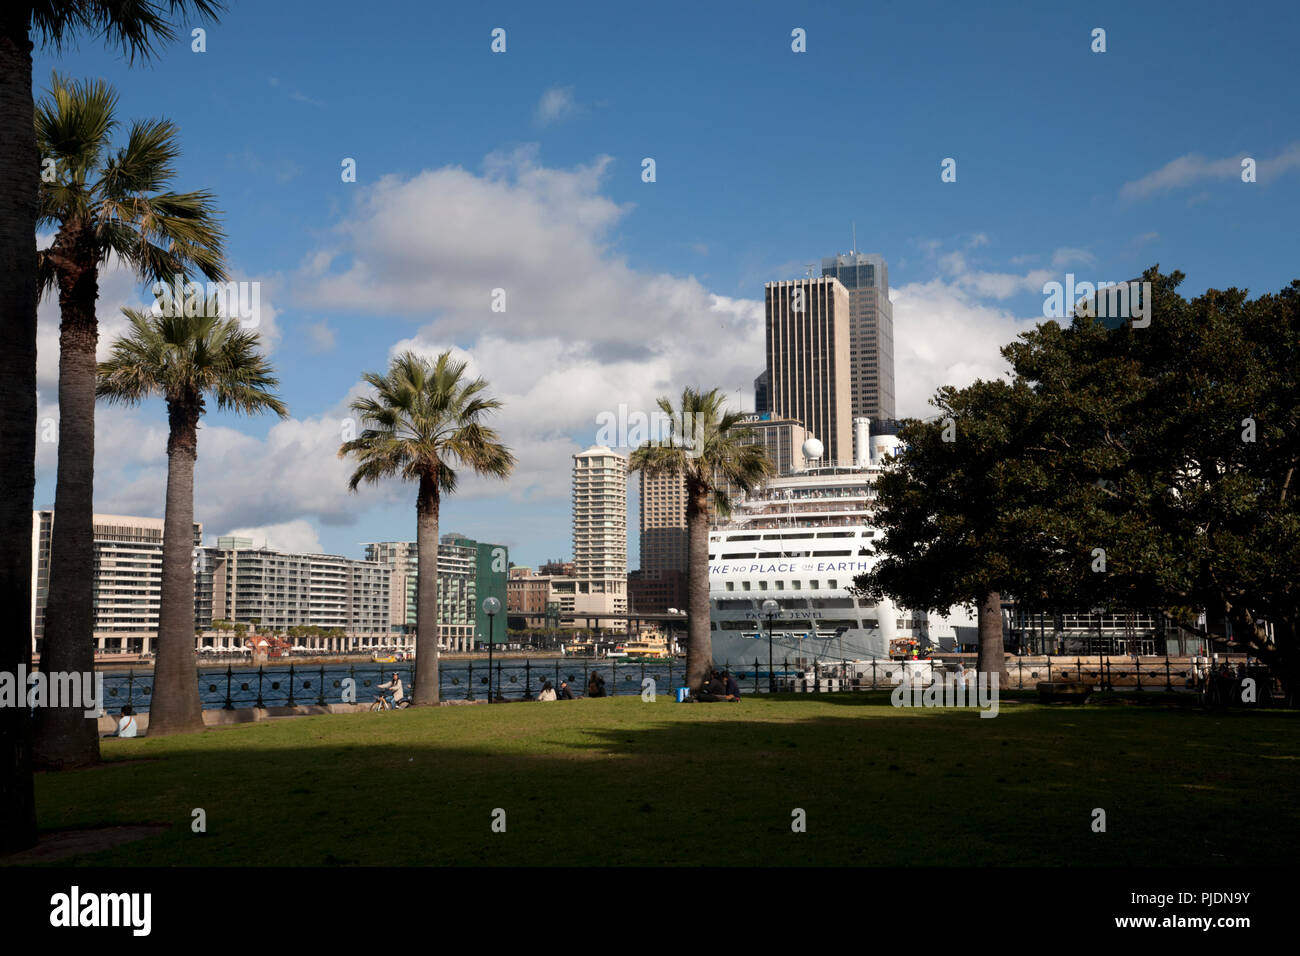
(272, 686)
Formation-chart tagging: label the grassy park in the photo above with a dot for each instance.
(620, 781)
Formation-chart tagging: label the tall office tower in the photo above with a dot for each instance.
(600, 531)
(762, 393)
(808, 360)
(661, 581)
(663, 523)
(871, 332)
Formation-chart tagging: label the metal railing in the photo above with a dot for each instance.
(465, 680)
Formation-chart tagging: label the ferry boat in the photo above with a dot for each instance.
(800, 541)
(647, 646)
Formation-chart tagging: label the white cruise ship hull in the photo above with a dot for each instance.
(859, 645)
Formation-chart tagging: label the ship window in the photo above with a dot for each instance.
(814, 584)
(831, 554)
(738, 554)
(836, 534)
(795, 585)
(780, 585)
(731, 585)
(832, 584)
(744, 585)
(762, 585)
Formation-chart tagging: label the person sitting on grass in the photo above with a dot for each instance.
(565, 693)
(713, 689)
(547, 692)
(596, 685)
(126, 726)
(732, 688)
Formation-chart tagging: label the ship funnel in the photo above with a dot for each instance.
(861, 442)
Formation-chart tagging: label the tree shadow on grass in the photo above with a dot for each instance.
(618, 782)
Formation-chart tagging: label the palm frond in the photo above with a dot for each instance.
(425, 419)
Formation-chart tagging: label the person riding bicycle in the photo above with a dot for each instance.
(395, 685)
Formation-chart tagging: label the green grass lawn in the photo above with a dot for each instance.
(619, 781)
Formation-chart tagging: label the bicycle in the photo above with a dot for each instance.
(382, 702)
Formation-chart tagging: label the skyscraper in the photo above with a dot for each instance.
(808, 360)
(762, 393)
(600, 531)
(663, 523)
(660, 582)
(871, 332)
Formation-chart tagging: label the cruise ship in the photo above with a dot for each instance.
(800, 541)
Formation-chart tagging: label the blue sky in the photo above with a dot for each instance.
(522, 171)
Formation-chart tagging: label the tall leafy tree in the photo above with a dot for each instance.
(423, 422)
(1183, 448)
(136, 28)
(712, 452)
(957, 513)
(187, 360)
(102, 202)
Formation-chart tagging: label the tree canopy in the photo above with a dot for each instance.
(1130, 466)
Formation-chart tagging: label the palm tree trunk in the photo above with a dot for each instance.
(18, 187)
(175, 708)
(699, 642)
(426, 592)
(992, 659)
(65, 737)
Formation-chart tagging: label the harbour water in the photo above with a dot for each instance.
(274, 685)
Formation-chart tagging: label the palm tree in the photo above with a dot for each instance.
(184, 359)
(423, 420)
(103, 203)
(134, 28)
(712, 454)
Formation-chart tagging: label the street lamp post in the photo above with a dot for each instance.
(490, 607)
(672, 631)
(770, 609)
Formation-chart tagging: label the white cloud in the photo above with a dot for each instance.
(243, 480)
(557, 103)
(1067, 256)
(943, 337)
(295, 536)
(583, 332)
(1193, 168)
(320, 338)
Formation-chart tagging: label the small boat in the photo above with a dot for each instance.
(390, 659)
(650, 646)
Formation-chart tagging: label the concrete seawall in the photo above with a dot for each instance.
(251, 715)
